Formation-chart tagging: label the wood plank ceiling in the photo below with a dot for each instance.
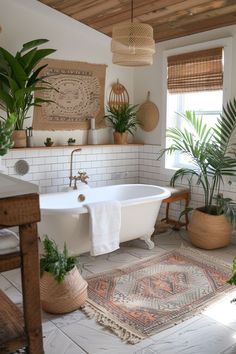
(169, 18)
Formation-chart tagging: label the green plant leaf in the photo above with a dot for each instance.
(54, 261)
(19, 73)
(32, 44)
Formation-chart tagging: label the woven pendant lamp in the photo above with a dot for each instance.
(132, 43)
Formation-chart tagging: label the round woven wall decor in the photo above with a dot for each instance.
(148, 115)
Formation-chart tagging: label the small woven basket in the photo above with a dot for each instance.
(59, 298)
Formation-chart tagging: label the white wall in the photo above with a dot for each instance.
(24, 20)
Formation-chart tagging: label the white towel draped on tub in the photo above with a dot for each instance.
(104, 225)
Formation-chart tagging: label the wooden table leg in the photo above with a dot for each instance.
(30, 287)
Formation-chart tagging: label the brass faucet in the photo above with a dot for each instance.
(82, 176)
(71, 178)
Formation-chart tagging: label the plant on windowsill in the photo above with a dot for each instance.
(19, 80)
(213, 157)
(123, 120)
(62, 287)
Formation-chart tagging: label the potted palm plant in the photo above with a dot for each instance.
(212, 155)
(123, 120)
(19, 80)
(62, 287)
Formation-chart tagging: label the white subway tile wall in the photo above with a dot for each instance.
(50, 167)
(105, 165)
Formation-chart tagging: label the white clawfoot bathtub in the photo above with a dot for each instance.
(65, 219)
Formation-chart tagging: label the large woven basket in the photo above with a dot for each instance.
(209, 231)
(67, 296)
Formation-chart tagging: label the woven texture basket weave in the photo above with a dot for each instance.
(67, 296)
(209, 231)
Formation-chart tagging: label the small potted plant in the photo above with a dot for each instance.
(48, 142)
(71, 141)
(123, 120)
(62, 287)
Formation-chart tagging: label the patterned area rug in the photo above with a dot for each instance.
(144, 298)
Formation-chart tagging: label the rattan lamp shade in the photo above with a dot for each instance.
(132, 44)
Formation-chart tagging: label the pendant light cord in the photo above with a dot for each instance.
(132, 11)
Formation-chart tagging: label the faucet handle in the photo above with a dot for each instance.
(82, 176)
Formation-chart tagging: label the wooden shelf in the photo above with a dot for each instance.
(12, 335)
(74, 146)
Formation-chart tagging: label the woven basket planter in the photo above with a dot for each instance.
(209, 231)
(67, 296)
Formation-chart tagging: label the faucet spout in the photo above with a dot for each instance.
(71, 164)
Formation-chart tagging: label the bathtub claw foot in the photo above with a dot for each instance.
(147, 239)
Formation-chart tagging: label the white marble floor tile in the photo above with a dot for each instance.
(55, 342)
(14, 276)
(68, 319)
(224, 311)
(171, 240)
(10, 290)
(4, 283)
(179, 327)
(204, 336)
(94, 339)
(231, 249)
(112, 261)
(230, 350)
(48, 326)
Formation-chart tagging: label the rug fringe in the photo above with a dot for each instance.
(123, 333)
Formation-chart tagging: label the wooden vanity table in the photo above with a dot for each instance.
(19, 206)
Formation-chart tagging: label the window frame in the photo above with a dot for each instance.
(226, 43)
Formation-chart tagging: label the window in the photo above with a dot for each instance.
(194, 82)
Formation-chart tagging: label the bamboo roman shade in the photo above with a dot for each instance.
(196, 71)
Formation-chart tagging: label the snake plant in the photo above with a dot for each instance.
(212, 153)
(20, 79)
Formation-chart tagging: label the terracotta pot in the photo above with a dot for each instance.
(19, 138)
(120, 138)
(67, 296)
(209, 231)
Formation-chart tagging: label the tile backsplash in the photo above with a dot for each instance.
(49, 168)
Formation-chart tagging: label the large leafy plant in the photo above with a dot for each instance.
(20, 79)
(212, 154)
(123, 118)
(54, 261)
(6, 129)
